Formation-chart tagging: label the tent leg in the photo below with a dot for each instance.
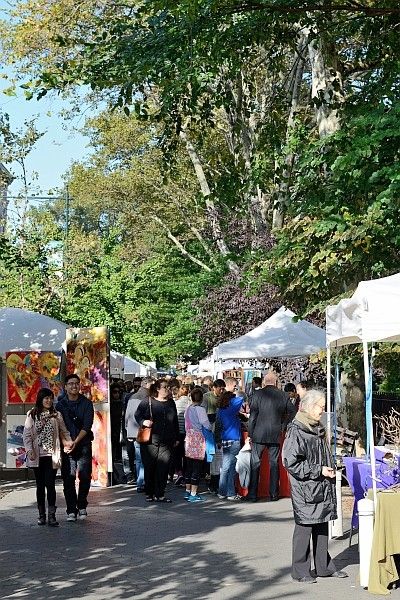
(369, 423)
(328, 395)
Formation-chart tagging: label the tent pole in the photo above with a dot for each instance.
(328, 395)
(369, 424)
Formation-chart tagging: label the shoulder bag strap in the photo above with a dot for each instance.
(151, 412)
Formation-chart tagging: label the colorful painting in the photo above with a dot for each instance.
(100, 448)
(88, 357)
(15, 444)
(28, 372)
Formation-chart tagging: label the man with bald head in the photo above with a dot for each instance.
(270, 411)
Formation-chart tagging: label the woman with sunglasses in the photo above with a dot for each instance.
(158, 412)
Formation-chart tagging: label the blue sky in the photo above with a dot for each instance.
(57, 149)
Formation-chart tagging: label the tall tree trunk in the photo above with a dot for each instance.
(327, 84)
(210, 204)
(294, 88)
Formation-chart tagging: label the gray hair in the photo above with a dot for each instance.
(311, 397)
(147, 381)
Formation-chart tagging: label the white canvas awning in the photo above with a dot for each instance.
(372, 314)
(277, 336)
(134, 367)
(26, 330)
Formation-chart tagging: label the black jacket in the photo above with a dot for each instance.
(304, 453)
(270, 410)
(165, 420)
(77, 415)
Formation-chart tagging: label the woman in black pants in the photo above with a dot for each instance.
(158, 410)
(307, 458)
(44, 431)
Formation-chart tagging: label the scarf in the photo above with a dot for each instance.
(307, 420)
(45, 431)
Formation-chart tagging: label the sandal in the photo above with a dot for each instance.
(150, 499)
(164, 499)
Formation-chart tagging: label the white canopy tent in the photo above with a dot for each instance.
(26, 330)
(371, 315)
(277, 336)
(134, 367)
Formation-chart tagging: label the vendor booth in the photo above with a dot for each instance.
(370, 315)
(36, 351)
(279, 336)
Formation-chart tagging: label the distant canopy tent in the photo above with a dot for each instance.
(278, 336)
(371, 315)
(26, 330)
(134, 367)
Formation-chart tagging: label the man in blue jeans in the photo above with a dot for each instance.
(229, 423)
(77, 412)
(132, 427)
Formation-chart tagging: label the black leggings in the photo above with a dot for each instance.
(45, 477)
(193, 471)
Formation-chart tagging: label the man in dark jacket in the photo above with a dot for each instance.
(270, 411)
(77, 412)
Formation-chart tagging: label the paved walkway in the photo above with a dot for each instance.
(129, 549)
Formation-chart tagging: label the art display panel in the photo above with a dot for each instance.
(30, 371)
(88, 357)
(101, 448)
(15, 445)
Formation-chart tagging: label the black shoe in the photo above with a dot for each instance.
(140, 490)
(306, 579)
(273, 498)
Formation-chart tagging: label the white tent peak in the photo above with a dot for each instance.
(371, 315)
(277, 336)
(27, 330)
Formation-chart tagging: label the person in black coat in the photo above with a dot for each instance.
(158, 411)
(270, 410)
(307, 458)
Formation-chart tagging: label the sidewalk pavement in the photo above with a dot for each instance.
(128, 549)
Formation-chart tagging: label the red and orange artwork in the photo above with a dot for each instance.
(28, 372)
(88, 357)
(100, 448)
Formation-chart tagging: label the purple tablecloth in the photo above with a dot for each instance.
(358, 473)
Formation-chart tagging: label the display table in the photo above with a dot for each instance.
(358, 473)
(385, 543)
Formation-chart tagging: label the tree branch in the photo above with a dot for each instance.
(178, 244)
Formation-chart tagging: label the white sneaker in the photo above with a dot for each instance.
(82, 514)
(221, 497)
(234, 498)
(71, 517)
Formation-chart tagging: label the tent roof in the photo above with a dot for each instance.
(26, 330)
(371, 315)
(277, 336)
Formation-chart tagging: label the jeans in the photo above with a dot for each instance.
(45, 477)
(128, 459)
(139, 466)
(79, 461)
(227, 477)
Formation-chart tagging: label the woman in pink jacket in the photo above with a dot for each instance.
(43, 433)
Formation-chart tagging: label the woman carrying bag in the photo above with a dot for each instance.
(157, 414)
(44, 429)
(195, 443)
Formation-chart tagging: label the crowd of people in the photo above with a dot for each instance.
(185, 430)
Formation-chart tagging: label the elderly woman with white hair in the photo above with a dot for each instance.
(307, 458)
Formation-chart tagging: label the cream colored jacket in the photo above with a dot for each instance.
(31, 440)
